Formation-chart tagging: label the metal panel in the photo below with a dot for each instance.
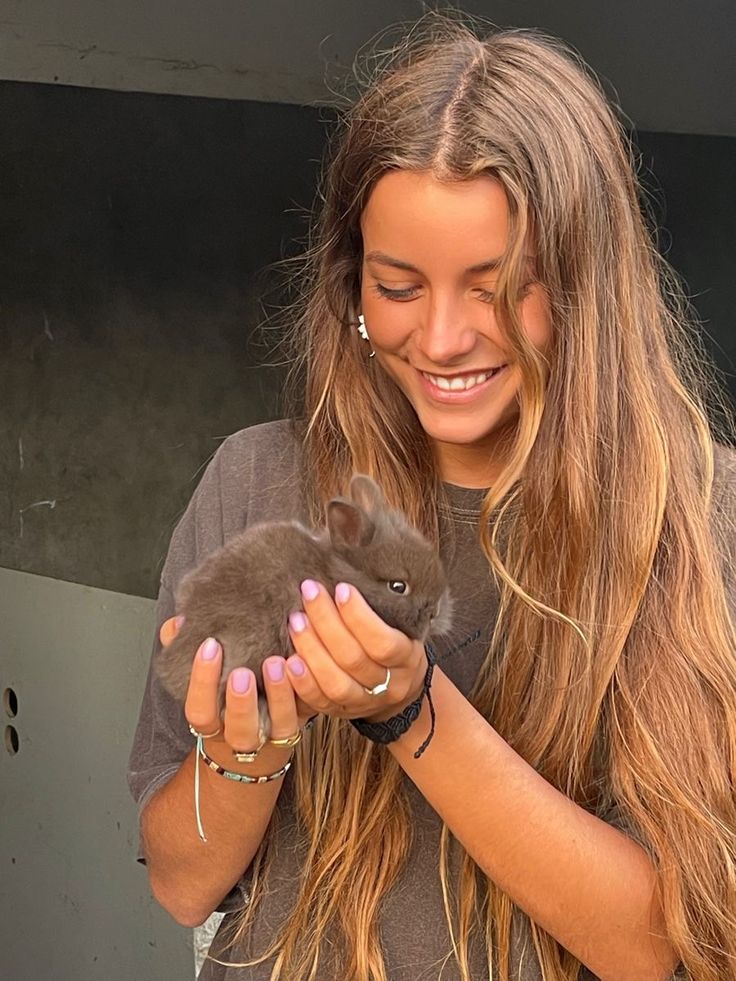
(76, 904)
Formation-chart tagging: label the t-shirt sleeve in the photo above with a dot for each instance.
(162, 739)
(253, 476)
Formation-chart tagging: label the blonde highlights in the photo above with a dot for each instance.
(611, 669)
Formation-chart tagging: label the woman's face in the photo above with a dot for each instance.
(429, 272)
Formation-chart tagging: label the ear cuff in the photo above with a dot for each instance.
(363, 332)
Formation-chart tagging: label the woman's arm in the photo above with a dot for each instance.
(582, 880)
(189, 877)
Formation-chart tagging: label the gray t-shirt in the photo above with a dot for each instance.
(256, 476)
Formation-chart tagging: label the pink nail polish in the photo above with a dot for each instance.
(310, 589)
(241, 680)
(342, 592)
(275, 670)
(296, 665)
(297, 622)
(209, 649)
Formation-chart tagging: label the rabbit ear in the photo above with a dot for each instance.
(348, 524)
(367, 494)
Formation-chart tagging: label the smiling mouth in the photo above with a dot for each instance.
(460, 383)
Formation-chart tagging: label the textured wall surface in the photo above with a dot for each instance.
(132, 227)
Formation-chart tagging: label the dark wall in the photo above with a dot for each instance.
(690, 180)
(132, 228)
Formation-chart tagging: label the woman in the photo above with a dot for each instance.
(486, 328)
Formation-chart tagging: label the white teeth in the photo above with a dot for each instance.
(457, 384)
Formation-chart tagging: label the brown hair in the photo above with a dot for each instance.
(613, 460)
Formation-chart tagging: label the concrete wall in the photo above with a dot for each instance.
(132, 230)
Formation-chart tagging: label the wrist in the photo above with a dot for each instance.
(391, 710)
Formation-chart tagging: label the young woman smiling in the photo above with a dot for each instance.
(525, 386)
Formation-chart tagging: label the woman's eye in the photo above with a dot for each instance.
(486, 296)
(405, 294)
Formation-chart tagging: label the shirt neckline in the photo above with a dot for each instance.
(464, 500)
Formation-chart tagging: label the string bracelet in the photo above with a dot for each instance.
(391, 729)
(229, 775)
(397, 725)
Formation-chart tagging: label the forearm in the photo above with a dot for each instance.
(580, 879)
(189, 877)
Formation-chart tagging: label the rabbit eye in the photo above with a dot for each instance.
(398, 586)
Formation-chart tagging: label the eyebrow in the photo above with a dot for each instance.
(490, 265)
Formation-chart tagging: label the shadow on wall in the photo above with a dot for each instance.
(133, 227)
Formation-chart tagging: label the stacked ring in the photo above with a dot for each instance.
(202, 735)
(288, 741)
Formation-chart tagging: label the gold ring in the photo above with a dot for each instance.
(287, 741)
(208, 735)
(380, 688)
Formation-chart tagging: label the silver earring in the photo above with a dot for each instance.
(364, 333)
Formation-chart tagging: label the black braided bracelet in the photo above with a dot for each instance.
(390, 730)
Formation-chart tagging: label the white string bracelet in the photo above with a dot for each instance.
(228, 774)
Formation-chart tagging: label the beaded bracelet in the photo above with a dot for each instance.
(243, 777)
(228, 774)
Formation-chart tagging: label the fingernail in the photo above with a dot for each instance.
(241, 680)
(310, 589)
(209, 649)
(342, 592)
(297, 622)
(296, 665)
(179, 622)
(275, 670)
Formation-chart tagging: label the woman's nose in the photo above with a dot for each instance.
(445, 333)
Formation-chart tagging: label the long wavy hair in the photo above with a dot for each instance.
(611, 669)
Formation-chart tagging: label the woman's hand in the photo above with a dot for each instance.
(240, 723)
(342, 648)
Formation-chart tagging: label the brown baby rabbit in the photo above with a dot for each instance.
(243, 593)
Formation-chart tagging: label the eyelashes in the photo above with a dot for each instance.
(388, 294)
(485, 296)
